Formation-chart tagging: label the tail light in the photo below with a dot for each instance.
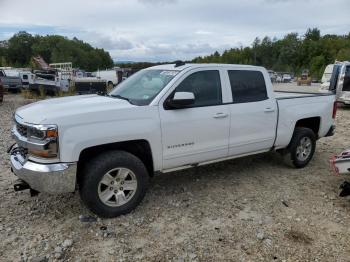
(335, 108)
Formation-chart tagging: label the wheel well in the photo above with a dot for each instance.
(313, 123)
(139, 148)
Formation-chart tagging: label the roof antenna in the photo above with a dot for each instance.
(179, 63)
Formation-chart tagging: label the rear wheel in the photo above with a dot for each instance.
(113, 183)
(302, 146)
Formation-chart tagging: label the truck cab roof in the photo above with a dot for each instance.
(195, 66)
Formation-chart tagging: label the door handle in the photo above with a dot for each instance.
(220, 115)
(269, 109)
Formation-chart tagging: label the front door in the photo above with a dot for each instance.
(198, 133)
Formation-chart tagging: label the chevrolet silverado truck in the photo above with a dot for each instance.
(161, 119)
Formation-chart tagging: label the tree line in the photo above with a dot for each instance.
(19, 50)
(293, 53)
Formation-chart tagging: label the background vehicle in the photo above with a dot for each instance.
(162, 119)
(278, 79)
(10, 79)
(25, 78)
(341, 79)
(272, 75)
(110, 76)
(286, 78)
(326, 77)
(90, 85)
(304, 79)
(46, 79)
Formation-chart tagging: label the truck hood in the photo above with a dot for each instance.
(51, 111)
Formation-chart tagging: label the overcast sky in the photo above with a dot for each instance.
(160, 30)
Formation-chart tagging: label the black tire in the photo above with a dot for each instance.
(97, 167)
(299, 134)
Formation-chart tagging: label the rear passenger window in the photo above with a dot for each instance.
(247, 86)
(206, 87)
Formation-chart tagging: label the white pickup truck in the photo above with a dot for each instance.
(161, 119)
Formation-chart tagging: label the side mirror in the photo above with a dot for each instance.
(180, 100)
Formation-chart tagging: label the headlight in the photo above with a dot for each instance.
(45, 135)
(42, 132)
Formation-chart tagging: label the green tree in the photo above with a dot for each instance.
(19, 51)
(343, 54)
(54, 49)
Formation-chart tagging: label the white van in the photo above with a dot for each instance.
(326, 77)
(343, 83)
(111, 76)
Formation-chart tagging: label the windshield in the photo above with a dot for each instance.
(11, 73)
(142, 87)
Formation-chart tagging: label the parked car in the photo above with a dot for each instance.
(340, 81)
(10, 79)
(279, 79)
(286, 78)
(1, 92)
(161, 119)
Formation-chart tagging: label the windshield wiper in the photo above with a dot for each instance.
(122, 97)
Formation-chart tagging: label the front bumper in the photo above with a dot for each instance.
(13, 87)
(49, 178)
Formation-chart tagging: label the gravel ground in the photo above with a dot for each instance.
(250, 209)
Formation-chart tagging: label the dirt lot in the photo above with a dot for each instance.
(251, 209)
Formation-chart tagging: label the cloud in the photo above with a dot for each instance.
(157, 2)
(110, 43)
(160, 30)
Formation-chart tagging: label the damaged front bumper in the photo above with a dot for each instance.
(53, 178)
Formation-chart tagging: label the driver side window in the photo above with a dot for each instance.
(206, 87)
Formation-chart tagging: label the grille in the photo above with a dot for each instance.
(22, 130)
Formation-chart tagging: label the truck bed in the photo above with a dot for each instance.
(291, 108)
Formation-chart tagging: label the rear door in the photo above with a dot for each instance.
(253, 112)
(198, 133)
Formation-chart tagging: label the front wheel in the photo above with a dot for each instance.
(113, 183)
(302, 146)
